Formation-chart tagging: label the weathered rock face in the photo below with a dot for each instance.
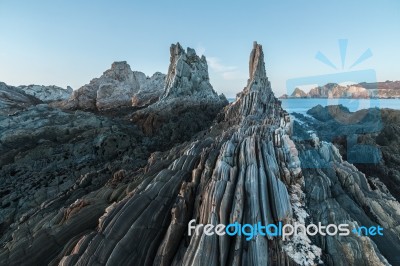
(337, 192)
(151, 89)
(189, 103)
(188, 76)
(47, 93)
(14, 99)
(116, 88)
(244, 168)
(47, 154)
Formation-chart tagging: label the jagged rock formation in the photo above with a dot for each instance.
(188, 76)
(243, 168)
(388, 89)
(47, 93)
(115, 89)
(189, 103)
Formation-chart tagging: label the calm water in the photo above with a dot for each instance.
(302, 105)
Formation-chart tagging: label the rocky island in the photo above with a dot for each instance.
(381, 90)
(112, 174)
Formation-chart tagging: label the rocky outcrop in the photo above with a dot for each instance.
(241, 170)
(384, 90)
(47, 154)
(298, 93)
(47, 93)
(14, 99)
(116, 88)
(250, 165)
(189, 103)
(188, 76)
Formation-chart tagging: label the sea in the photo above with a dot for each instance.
(303, 105)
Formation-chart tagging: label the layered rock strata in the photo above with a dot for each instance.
(244, 168)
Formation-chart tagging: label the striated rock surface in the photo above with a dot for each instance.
(251, 165)
(337, 192)
(115, 89)
(244, 169)
(47, 154)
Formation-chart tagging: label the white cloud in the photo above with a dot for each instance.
(226, 72)
(200, 50)
(217, 66)
(231, 75)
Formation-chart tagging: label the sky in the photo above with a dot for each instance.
(54, 42)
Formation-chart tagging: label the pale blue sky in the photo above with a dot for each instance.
(71, 42)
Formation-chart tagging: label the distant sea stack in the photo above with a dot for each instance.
(383, 90)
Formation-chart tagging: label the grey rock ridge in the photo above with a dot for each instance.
(47, 93)
(384, 90)
(94, 199)
(118, 87)
(13, 99)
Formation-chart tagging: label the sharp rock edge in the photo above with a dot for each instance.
(243, 175)
(244, 168)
